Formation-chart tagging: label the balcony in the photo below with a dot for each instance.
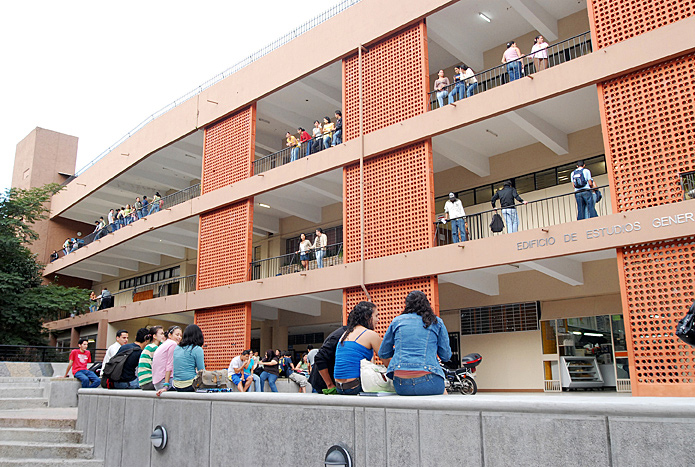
(291, 263)
(688, 185)
(156, 289)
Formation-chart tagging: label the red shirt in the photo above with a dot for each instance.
(79, 360)
(304, 137)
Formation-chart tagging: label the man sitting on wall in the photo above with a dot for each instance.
(79, 358)
(236, 371)
(129, 375)
(321, 378)
(121, 339)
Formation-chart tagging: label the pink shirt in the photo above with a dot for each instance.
(510, 54)
(163, 360)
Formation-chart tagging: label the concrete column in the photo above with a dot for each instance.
(74, 337)
(102, 338)
(266, 336)
(280, 337)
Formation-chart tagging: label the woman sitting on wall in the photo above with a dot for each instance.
(414, 339)
(270, 370)
(188, 358)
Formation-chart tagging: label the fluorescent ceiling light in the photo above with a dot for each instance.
(264, 205)
(593, 334)
(485, 17)
(577, 333)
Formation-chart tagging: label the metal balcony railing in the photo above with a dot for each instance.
(165, 203)
(561, 52)
(282, 157)
(534, 215)
(329, 13)
(688, 185)
(157, 289)
(290, 263)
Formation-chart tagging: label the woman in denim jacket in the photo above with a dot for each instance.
(414, 339)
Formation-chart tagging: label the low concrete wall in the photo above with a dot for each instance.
(62, 392)
(489, 430)
(31, 369)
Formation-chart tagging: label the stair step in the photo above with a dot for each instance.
(41, 435)
(57, 423)
(22, 392)
(25, 449)
(16, 403)
(8, 462)
(24, 384)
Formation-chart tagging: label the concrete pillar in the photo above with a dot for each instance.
(102, 339)
(74, 337)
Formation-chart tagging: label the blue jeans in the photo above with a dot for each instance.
(327, 141)
(89, 379)
(440, 98)
(337, 137)
(256, 382)
(458, 225)
(319, 258)
(350, 392)
(428, 385)
(141, 213)
(126, 384)
(271, 381)
(154, 208)
(585, 204)
(295, 154)
(457, 93)
(471, 89)
(511, 219)
(514, 70)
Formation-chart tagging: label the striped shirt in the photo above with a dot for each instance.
(145, 364)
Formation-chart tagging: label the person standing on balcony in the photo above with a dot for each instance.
(93, 302)
(512, 57)
(338, 135)
(294, 145)
(79, 358)
(540, 53)
(100, 229)
(156, 202)
(120, 217)
(304, 139)
(317, 132)
(54, 255)
(440, 87)
(111, 219)
(507, 195)
(328, 128)
(459, 87)
(145, 206)
(454, 212)
(304, 247)
(127, 211)
(320, 243)
(583, 184)
(470, 80)
(138, 209)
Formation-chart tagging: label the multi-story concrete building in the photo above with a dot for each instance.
(560, 303)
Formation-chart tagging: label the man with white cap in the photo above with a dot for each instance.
(455, 213)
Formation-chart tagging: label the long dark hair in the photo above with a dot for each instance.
(361, 315)
(416, 302)
(269, 355)
(192, 336)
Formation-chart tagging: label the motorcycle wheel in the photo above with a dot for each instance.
(468, 386)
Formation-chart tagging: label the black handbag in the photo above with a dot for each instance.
(685, 330)
(497, 224)
(597, 196)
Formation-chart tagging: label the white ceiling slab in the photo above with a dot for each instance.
(535, 14)
(565, 270)
(262, 312)
(544, 132)
(467, 158)
(483, 282)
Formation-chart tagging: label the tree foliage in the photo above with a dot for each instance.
(25, 303)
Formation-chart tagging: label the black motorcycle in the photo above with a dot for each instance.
(463, 379)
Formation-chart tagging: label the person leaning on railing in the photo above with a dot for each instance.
(328, 128)
(319, 246)
(304, 139)
(338, 135)
(540, 53)
(470, 79)
(440, 86)
(507, 195)
(316, 146)
(459, 87)
(512, 57)
(294, 145)
(156, 203)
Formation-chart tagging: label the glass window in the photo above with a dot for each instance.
(564, 172)
(525, 184)
(467, 197)
(483, 194)
(549, 337)
(545, 179)
(596, 165)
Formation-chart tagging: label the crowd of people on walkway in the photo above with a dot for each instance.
(115, 219)
(465, 82)
(324, 135)
(412, 347)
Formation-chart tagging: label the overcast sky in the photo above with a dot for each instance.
(95, 69)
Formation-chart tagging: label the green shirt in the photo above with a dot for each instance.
(145, 365)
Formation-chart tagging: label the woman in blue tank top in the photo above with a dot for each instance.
(358, 342)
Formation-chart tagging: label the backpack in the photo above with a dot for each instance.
(114, 368)
(685, 330)
(578, 179)
(497, 224)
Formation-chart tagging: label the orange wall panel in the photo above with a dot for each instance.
(227, 332)
(224, 250)
(399, 203)
(389, 298)
(228, 150)
(618, 20)
(394, 82)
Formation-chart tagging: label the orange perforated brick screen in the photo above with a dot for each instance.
(658, 290)
(224, 250)
(227, 332)
(389, 298)
(618, 20)
(398, 200)
(394, 81)
(228, 150)
(648, 129)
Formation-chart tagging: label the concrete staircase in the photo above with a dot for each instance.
(31, 434)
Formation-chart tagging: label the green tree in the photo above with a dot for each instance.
(26, 303)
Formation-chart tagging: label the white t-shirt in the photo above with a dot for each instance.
(455, 209)
(312, 354)
(110, 352)
(235, 365)
(469, 76)
(540, 50)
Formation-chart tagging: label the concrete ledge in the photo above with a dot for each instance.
(62, 392)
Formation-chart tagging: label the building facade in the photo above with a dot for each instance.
(554, 303)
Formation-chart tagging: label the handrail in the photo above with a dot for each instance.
(290, 263)
(39, 353)
(497, 75)
(284, 156)
(533, 215)
(166, 202)
(188, 282)
(312, 23)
